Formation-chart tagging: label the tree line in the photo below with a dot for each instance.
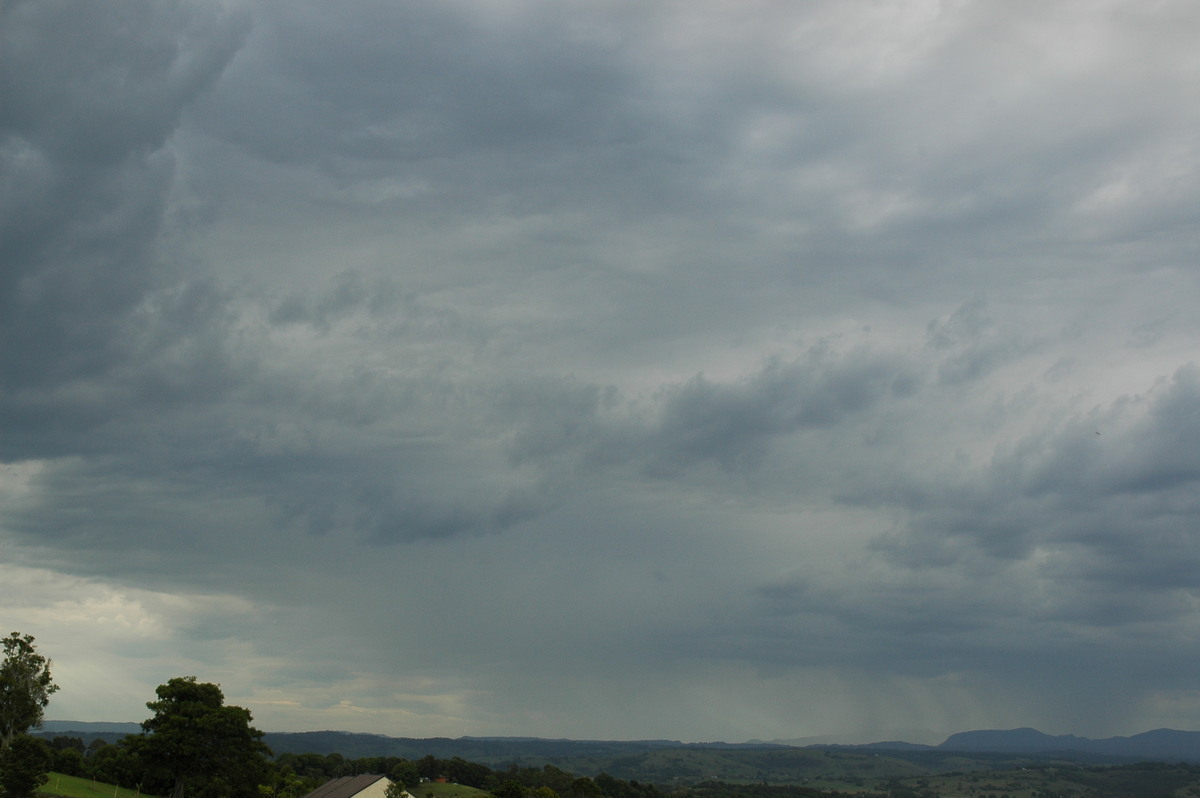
(194, 745)
(292, 775)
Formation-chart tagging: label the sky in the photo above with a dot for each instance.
(691, 370)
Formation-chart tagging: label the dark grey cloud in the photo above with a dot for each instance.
(83, 128)
(1116, 475)
(729, 423)
(722, 366)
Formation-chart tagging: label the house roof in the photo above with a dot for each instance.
(346, 786)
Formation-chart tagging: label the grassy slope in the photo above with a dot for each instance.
(434, 790)
(75, 787)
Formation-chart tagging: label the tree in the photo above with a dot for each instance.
(24, 766)
(510, 789)
(199, 744)
(405, 773)
(117, 764)
(429, 767)
(67, 760)
(284, 783)
(25, 687)
(584, 787)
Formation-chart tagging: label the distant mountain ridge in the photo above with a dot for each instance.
(1167, 745)
(1163, 745)
(1159, 744)
(89, 727)
(486, 750)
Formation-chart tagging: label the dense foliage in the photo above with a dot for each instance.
(25, 690)
(25, 687)
(24, 764)
(293, 775)
(199, 744)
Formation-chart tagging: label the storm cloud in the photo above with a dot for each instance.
(703, 371)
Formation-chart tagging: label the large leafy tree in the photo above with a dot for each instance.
(199, 744)
(24, 766)
(25, 687)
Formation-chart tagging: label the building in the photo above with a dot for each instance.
(368, 785)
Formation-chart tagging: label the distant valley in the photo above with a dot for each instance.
(1015, 763)
(668, 760)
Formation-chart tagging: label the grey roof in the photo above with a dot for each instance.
(345, 787)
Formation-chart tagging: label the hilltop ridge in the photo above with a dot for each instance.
(1155, 745)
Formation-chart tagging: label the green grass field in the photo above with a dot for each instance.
(74, 787)
(429, 788)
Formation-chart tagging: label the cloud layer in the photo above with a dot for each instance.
(705, 371)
